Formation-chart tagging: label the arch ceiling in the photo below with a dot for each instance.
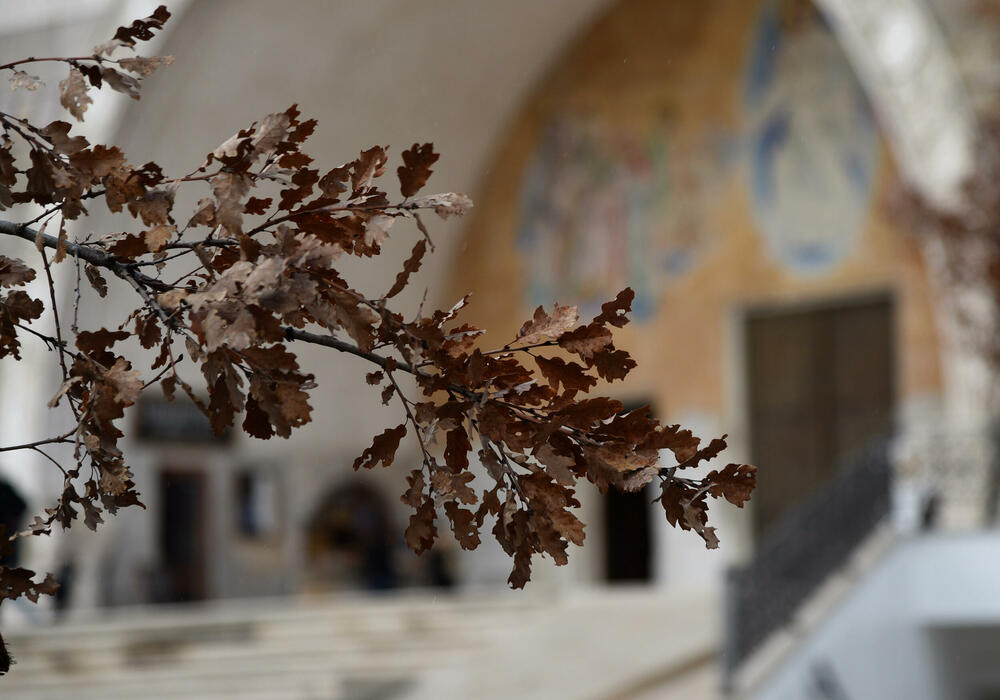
(896, 47)
(900, 55)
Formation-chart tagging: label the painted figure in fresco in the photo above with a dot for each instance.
(574, 213)
(607, 206)
(813, 143)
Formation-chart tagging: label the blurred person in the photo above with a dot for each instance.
(12, 509)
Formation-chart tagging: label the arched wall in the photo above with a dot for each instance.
(685, 78)
(456, 74)
(376, 72)
(665, 108)
(371, 78)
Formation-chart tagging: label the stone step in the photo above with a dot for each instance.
(233, 623)
(291, 680)
(141, 642)
(245, 649)
(195, 658)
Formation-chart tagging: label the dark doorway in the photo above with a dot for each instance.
(821, 387)
(12, 509)
(182, 535)
(626, 547)
(351, 539)
(627, 550)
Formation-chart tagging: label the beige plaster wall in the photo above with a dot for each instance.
(639, 61)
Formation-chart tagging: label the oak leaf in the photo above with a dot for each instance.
(557, 465)
(444, 204)
(421, 532)
(22, 307)
(63, 389)
(521, 573)
(97, 342)
(411, 265)
(615, 312)
(141, 29)
(414, 494)
(383, 449)
(97, 162)
(544, 326)
(145, 66)
(463, 524)
(121, 82)
(153, 207)
(613, 364)
(735, 482)
(568, 525)
(369, 165)
(57, 133)
(453, 486)
(96, 280)
(229, 189)
(415, 170)
(569, 374)
(126, 381)
(586, 341)
(20, 79)
(14, 272)
(710, 452)
(255, 421)
(73, 94)
(157, 237)
(456, 454)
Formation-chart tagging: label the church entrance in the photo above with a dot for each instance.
(351, 540)
(821, 387)
(183, 501)
(627, 541)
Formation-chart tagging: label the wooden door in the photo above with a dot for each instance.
(821, 388)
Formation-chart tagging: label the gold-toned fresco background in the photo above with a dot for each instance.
(673, 78)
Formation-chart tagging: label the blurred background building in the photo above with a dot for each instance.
(736, 162)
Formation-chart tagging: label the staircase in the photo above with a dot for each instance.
(621, 643)
(798, 557)
(353, 648)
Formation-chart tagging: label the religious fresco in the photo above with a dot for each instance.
(659, 152)
(811, 140)
(603, 207)
(605, 204)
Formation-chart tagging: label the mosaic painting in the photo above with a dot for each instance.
(604, 207)
(812, 141)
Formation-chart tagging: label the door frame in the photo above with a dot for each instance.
(198, 473)
(736, 372)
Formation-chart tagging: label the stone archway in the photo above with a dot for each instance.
(900, 55)
(350, 539)
(912, 78)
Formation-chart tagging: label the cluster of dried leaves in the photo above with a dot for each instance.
(266, 239)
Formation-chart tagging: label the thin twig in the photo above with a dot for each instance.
(46, 456)
(337, 344)
(59, 59)
(413, 420)
(159, 376)
(76, 296)
(89, 253)
(522, 348)
(55, 312)
(32, 445)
